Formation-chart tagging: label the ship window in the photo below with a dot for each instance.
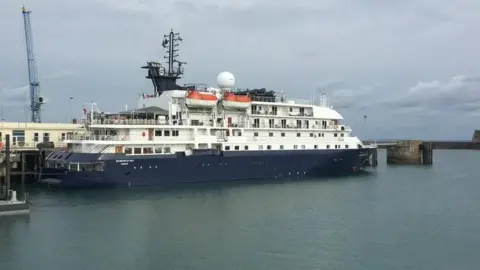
(283, 134)
(341, 134)
(335, 135)
(311, 134)
(255, 134)
(246, 147)
(260, 147)
(346, 145)
(328, 146)
(158, 133)
(298, 134)
(137, 150)
(158, 150)
(148, 150)
(315, 146)
(227, 147)
(174, 132)
(281, 146)
(269, 147)
(339, 146)
(295, 147)
(166, 133)
(239, 133)
(303, 146)
(128, 151)
(270, 134)
(335, 146)
(237, 147)
(167, 150)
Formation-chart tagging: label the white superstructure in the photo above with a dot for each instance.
(215, 118)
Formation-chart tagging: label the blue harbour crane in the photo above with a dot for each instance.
(36, 101)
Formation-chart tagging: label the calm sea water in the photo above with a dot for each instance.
(399, 217)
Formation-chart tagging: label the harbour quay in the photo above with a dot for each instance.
(29, 143)
(420, 152)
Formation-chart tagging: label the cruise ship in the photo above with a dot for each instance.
(196, 133)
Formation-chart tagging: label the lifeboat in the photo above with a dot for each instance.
(199, 99)
(230, 100)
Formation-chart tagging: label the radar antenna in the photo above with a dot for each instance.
(164, 79)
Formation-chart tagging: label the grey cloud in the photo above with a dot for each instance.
(395, 62)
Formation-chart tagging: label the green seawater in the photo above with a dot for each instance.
(398, 217)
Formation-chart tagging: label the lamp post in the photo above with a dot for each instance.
(70, 109)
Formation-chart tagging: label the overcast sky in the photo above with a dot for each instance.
(413, 67)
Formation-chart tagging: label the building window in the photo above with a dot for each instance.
(1, 137)
(128, 151)
(158, 150)
(35, 137)
(137, 150)
(64, 136)
(158, 133)
(46, 137)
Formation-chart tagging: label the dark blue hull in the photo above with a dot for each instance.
(122, 170)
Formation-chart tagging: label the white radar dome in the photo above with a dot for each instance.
(225, 80)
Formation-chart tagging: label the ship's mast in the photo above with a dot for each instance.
(164, 79)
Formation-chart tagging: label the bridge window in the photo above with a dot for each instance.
(148, 150)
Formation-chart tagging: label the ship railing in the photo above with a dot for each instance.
(79, 137)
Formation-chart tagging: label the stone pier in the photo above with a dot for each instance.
(405, 152)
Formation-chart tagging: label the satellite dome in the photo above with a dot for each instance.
(225, 80)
